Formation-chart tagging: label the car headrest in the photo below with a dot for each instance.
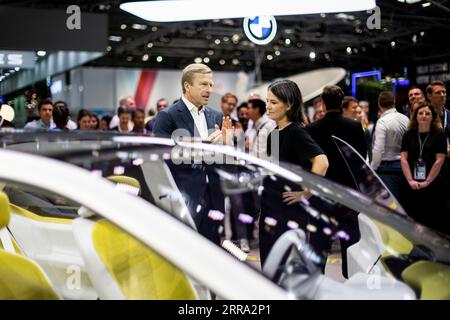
(127, 184)
(4, 210)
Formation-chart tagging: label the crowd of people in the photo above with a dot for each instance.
(409, 149)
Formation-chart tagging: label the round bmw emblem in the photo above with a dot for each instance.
(260, 29)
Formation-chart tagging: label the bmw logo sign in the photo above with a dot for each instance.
(261, 29)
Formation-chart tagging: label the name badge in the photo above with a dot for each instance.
(420, 171)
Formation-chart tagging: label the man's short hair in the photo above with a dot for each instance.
(386, 99)
(228, 95)
(123, 101)
(42, 102)
(260, 104)
(317, 100)
(346, 101)
(434, 83)
(192, 69)
(136, 111)
(124, 110)
(332, 97)
(242, 105)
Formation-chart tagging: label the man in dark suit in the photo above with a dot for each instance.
(334, 124)
(190, 117)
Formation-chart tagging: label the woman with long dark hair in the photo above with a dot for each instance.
(289, 142)
(424, 148)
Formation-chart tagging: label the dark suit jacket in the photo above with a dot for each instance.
(348, 130)
(178, 116)
(191, 178)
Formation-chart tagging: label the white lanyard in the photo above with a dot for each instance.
(445, 120)
(422, 145)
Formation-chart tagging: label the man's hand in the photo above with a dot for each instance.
(292, 197)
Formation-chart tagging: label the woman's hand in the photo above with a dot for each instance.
(414, 184)
(423, 184)
(292, 197)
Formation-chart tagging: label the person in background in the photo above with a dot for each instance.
(95, 123)
(125, 116)
(389, 131)
(318, 109)
(437, 95)
(104, 123)
(257, 136)
(61, 116)
(127, 102)
(71, 125)
(349, 105)
(242, 114)
(228, 104)
(423, 152)
(138, 119)
(415, 97)
(45, 121)
(351, 131)
(84, 120)
(161, 104)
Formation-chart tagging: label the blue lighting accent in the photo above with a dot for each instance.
(363, 74)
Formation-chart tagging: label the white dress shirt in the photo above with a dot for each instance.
(199, 118)
(258, 136)
(389, 132)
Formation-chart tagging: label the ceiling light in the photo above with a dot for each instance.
(414, 38)
(159, 59)
(287, 41)
(222, 62)
(145, 57)
(149, 45)
(323, 15)
(393, 44)
(210, 52)
(217, 41)
(198, 60)
(277, 53)
(108, 48)
(349, 50)
(312, 55)
(17, 68)
(129, 58)
(115, 38)
(123, 26)
(327, 56)
(226, 39)
(206, 60)
(355, 50)
(138, 26)
(187, 10)
(154, 28)
(41, 53)
(6, 74)
(426, 4)
(235, 61)
(422, 33)
(269, 57)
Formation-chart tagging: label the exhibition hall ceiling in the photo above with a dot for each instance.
(409, 34)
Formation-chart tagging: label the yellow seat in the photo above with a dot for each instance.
(431, 279)
(395, 243)
(120, 267)
(20, 277)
